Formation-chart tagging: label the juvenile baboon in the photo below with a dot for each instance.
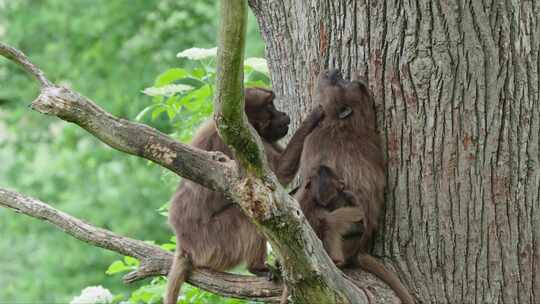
(332, 211)
(213, 233)
(347, 142)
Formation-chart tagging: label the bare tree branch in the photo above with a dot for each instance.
(155, 261)
(211, 169)
(18, 57)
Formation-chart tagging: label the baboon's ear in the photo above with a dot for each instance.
(325, 186)
(361, 82)
(270, 97)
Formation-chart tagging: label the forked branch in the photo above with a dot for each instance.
(211, 169)
(18, 57)
(154, 261)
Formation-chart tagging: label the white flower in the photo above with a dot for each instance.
(167, 90)
(93, 295)
(197, 53)
(258, 64)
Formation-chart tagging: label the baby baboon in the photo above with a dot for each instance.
(213, 233)
(347, 142)
(332, 211)
(335, 212)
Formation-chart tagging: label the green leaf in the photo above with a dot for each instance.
(170, 76)
(131, 261)
(158, 110)
(164, 209)
(117, 298)
(143, 112)
(196, 98)
(192, 81)
(256, 76)
(116, 267)
(168, 246)
(149, 293)
(199, 73)
(173, 102)
(171, 112)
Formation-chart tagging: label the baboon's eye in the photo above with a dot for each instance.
(344, 111)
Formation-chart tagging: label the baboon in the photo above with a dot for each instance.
(211, 232)
(332, 211)
(348, 143)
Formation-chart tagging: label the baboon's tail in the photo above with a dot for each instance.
(178, 274)
(376, 267)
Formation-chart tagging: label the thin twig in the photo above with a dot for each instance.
(20, 58)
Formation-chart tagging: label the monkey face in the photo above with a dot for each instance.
(328, 189)
(270, 123)
(341, 98)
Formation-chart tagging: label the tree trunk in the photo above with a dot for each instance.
(457, 90)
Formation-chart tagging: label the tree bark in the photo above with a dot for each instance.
(457, 91)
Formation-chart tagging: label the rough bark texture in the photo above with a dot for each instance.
(457, 90)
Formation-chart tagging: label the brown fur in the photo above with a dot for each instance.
(210, 231)
(332, 211)
(349, 145)
(347, 142)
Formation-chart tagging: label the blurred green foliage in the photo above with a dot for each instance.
(109, 51)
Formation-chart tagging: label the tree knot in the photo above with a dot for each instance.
(254, 198)
(51, 101)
